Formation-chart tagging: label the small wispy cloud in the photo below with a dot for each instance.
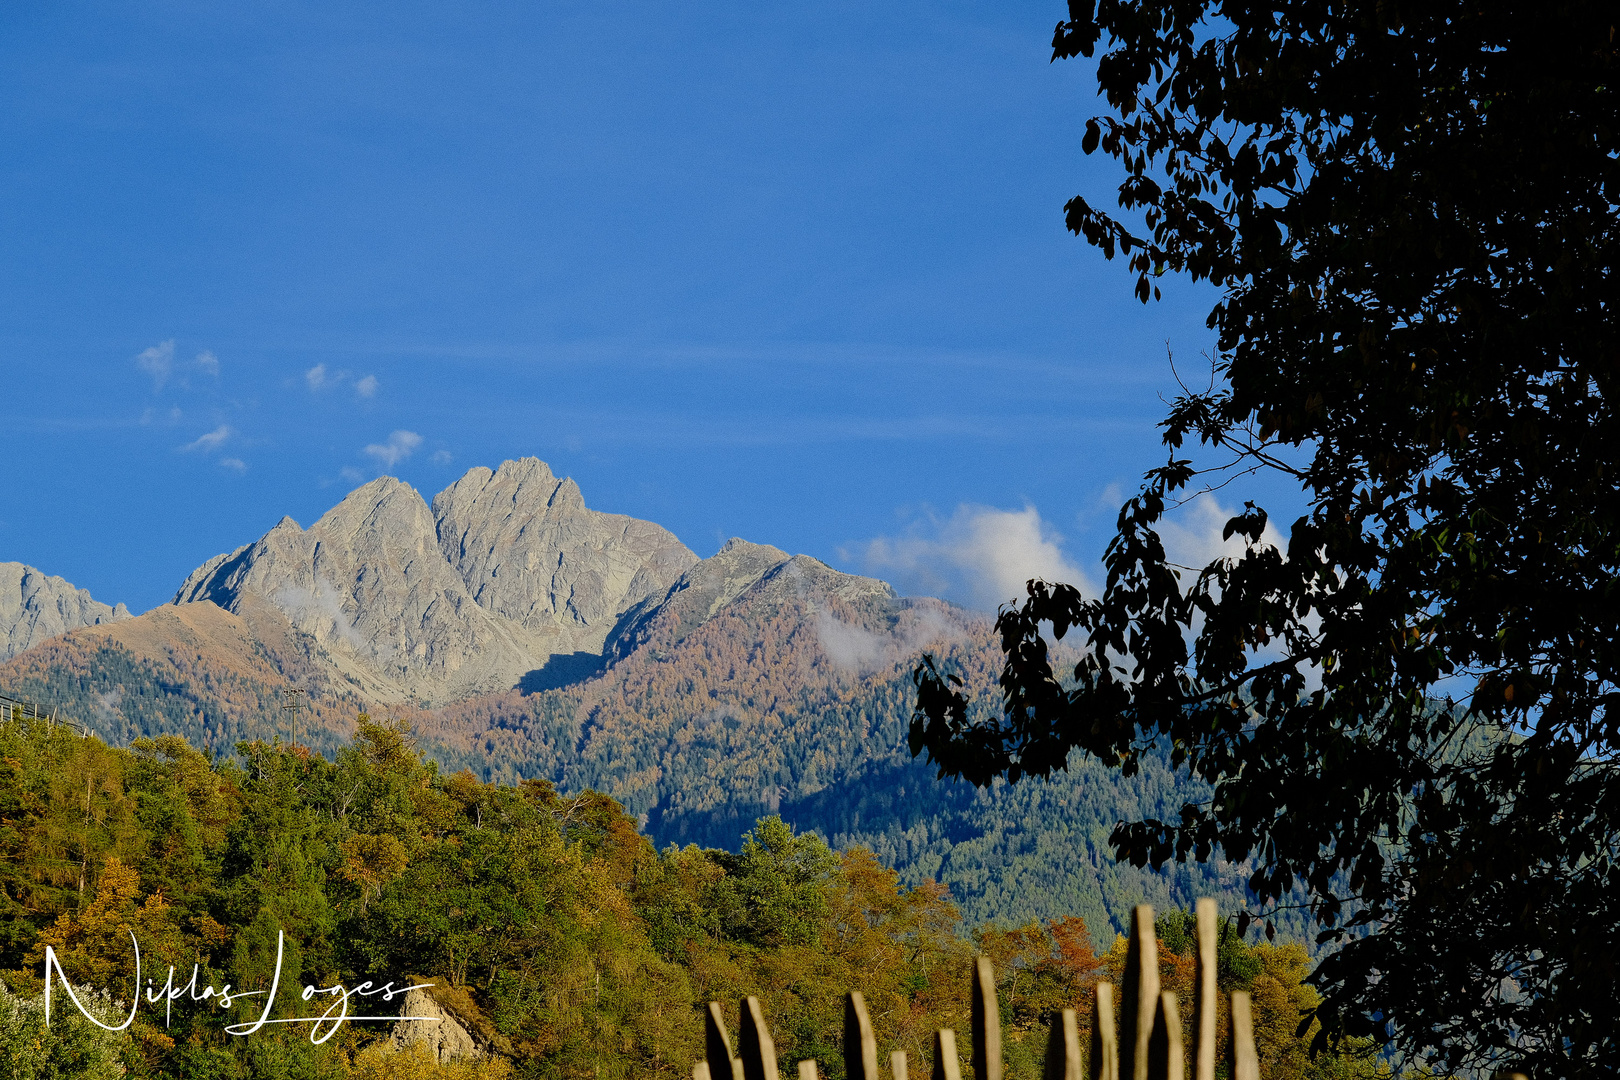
(209, 441)
(352, 474)
(400, 445)
(854, 648)
(158, 362)
(320, 377)
(442, 457)
(208, 363)
(151, 416)
(980, 556)
(234, 464)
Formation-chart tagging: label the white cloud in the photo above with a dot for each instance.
(856, 649)
(400, 445)
(316, 376)
(158, 362)
(980, 556)
(367, 386)
(235, 465)
(1192, 540)
(1192, 535)
(151, 416)
(208, 362)
(209, 441)
(319, 612)
(352, 474)
(442, 457)
(107, 705)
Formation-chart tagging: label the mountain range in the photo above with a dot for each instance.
(524, 635)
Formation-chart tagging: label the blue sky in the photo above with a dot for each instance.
(795, 273)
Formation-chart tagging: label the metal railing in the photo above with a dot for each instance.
(20, 709)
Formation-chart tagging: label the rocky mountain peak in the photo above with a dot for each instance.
(507, 569)
(35, 606)
(528, 550)
(761, 578)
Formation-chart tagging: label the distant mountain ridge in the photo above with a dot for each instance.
(506, 570)
(36, 606)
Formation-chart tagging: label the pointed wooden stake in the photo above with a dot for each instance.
(946, 1066)
(717, 1046)
(1104, 1057)
(897, 1065)
(860, 1047)
(1063, 1058)
(986, 1022)
(1141, 996)
(1166, 1053)
(1245, 1062)
(1204, 1001)
(754, 1044)
(807, 1070)
(700, 1071)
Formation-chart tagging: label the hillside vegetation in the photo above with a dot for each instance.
(787, 705)
(550, 925)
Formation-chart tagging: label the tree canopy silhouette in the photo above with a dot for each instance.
(1411, 709)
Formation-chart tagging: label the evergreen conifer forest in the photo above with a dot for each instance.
(549, 925)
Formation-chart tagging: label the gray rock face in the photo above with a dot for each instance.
(529, 551)
(35, 606)
(437, 1030)
(368, 584)
(759, 575)
(510, 571)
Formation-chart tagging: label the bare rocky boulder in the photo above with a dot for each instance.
(444, 1037)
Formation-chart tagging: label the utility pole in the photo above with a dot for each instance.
(297, 701)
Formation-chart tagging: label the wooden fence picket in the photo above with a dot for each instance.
(986, 1022)
(946, 1064)
(1104, 1058)
(860, 1047)
(1204, 1015)
(717, 1046)
(1142, 1041)
(755, 1046)
(1166, 1054)
(1141, 996)
(1245, 1062)
(1064, 1061)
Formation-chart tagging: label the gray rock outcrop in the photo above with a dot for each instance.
(529, 551)
(759, 575)
(437, 1030)
(35, 606)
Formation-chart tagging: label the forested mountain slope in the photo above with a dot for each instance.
(548, 926)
